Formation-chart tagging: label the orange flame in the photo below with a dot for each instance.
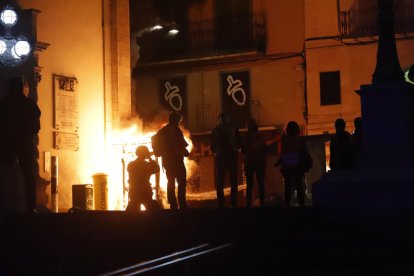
(121, 145)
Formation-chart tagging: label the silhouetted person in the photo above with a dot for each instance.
(19, 122)
(225, 144)
(254, 155)
(356, 141)
(140, 171)
(294, 162)
(340, 155)
(173, 160)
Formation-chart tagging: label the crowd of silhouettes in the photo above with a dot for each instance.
(345, 149)
(226, 144)
(19, 123)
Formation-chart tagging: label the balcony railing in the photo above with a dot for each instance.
(203, 118)
(232, 34)
(356, 23)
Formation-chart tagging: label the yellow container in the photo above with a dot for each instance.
(100, 191)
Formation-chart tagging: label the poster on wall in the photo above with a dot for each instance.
(235, 95)
(66, 104)
(66, 141)
(173, 95)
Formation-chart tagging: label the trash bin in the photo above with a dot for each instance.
(82, 196)
(100, 191)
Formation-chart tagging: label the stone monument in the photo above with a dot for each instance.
(384, 175)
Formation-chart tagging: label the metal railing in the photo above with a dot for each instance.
(202, 118)
(234, 33)
(358, 23)
(175, 258)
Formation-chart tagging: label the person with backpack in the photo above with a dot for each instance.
(169, 143)
(225, 144)
(294, 162)
(140, 171)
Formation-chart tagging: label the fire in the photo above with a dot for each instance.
(121, 145)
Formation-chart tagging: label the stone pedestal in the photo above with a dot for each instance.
(384, 175)
(387, 121)
(368, 190)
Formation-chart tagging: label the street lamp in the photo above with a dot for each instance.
(8, 17)
(13, 49)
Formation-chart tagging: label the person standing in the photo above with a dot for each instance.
(140, 171)
(172, 154)
(294, 161)
(19, 123)
(254, 155)
(225, 144)
(356, 142)
(340, 147)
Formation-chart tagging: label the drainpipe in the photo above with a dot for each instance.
(104, 70)
(54, 184)
(338, 10)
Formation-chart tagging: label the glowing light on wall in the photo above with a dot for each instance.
(173, 32)
(157, 27)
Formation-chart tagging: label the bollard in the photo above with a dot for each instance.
(100, 191)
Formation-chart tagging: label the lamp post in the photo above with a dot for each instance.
(14, 48)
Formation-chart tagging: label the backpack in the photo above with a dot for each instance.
(157, 142)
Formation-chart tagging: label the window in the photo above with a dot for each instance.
(233, 22)
(330, 83)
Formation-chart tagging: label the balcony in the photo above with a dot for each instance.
(230, 35)
(363, 23)
(203, 118)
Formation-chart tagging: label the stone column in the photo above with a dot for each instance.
(388, 66)
(117, 61)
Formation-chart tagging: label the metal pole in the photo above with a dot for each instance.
(54, 184)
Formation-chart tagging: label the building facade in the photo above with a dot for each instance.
(274, 61)
(87, 44)
(241, 57)
(341, 47)
(215, 39)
